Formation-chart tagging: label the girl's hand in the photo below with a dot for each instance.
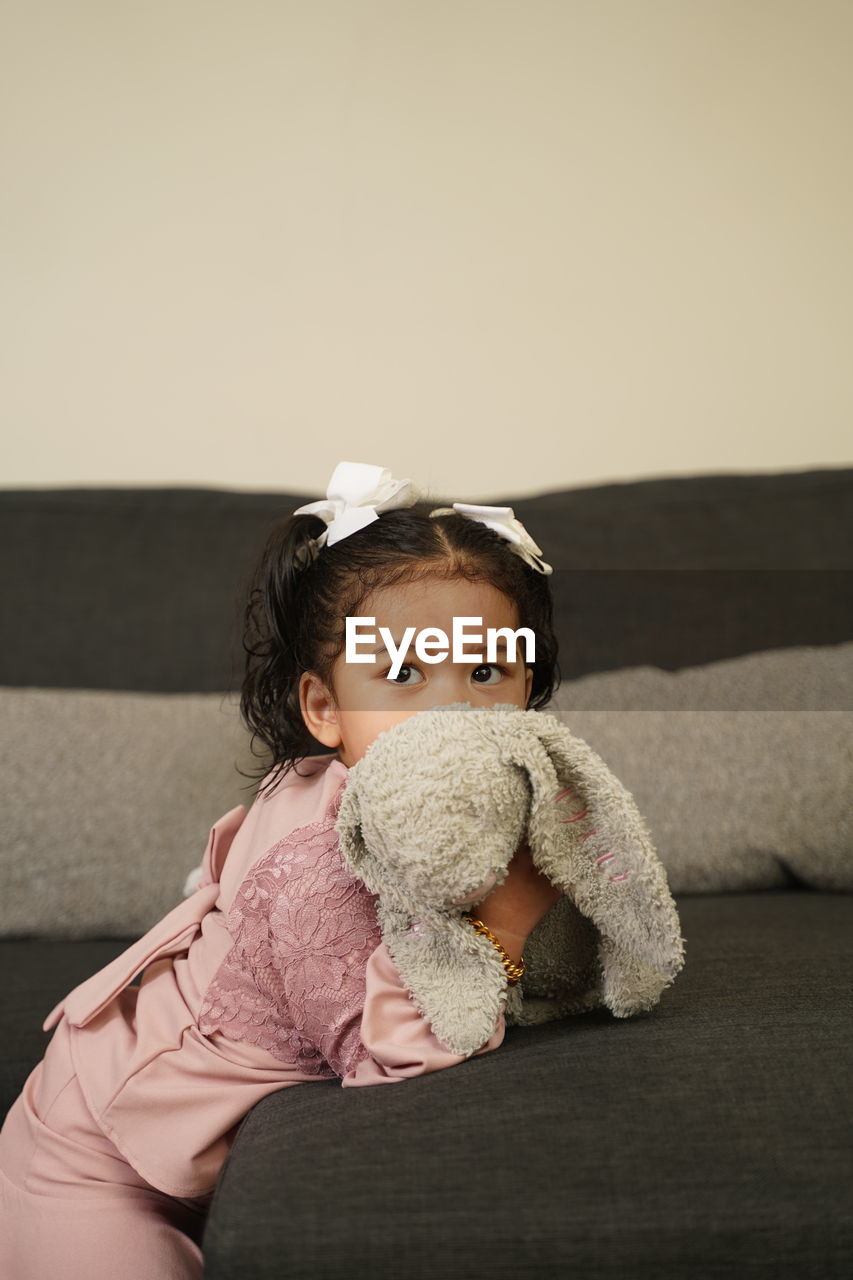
(513, 909)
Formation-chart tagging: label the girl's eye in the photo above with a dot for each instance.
(488, 666)
(404, 668)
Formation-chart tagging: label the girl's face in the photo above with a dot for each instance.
(367, 702)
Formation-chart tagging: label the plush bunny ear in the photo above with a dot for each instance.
(358, 858)
(454, 980)
(587, 835)
(350, 837)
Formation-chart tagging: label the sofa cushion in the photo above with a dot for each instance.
(708, 1138)
(107, 804)
(146, 585)
(36, 975)
(110, 796)
(742, 768)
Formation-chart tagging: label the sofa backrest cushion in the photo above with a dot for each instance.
(143, 589)
(742, 769)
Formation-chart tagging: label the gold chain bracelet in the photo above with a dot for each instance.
(514, 971)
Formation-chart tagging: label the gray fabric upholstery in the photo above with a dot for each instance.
(142, 589)
(742, 769)
(36, 975)
(108, 802)
(710, 1138)
(807, 678)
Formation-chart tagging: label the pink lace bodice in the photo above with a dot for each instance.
(294, 980)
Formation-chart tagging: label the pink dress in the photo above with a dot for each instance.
(272, 973)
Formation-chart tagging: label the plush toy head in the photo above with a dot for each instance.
(430, 819)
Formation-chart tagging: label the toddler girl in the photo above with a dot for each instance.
(272, 972)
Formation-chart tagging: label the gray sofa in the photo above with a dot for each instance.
(706, 631)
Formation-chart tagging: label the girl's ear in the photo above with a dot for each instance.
(317, 708)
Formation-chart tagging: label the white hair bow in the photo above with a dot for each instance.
(502, 520)
(356, 494)
(359, 491)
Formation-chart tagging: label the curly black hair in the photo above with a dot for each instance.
(294, 618)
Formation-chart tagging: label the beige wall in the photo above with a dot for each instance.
(497, 245)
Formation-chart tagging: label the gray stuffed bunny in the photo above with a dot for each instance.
(430, 819)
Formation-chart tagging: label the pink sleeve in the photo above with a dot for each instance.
(398, 1039)
(309, 977)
